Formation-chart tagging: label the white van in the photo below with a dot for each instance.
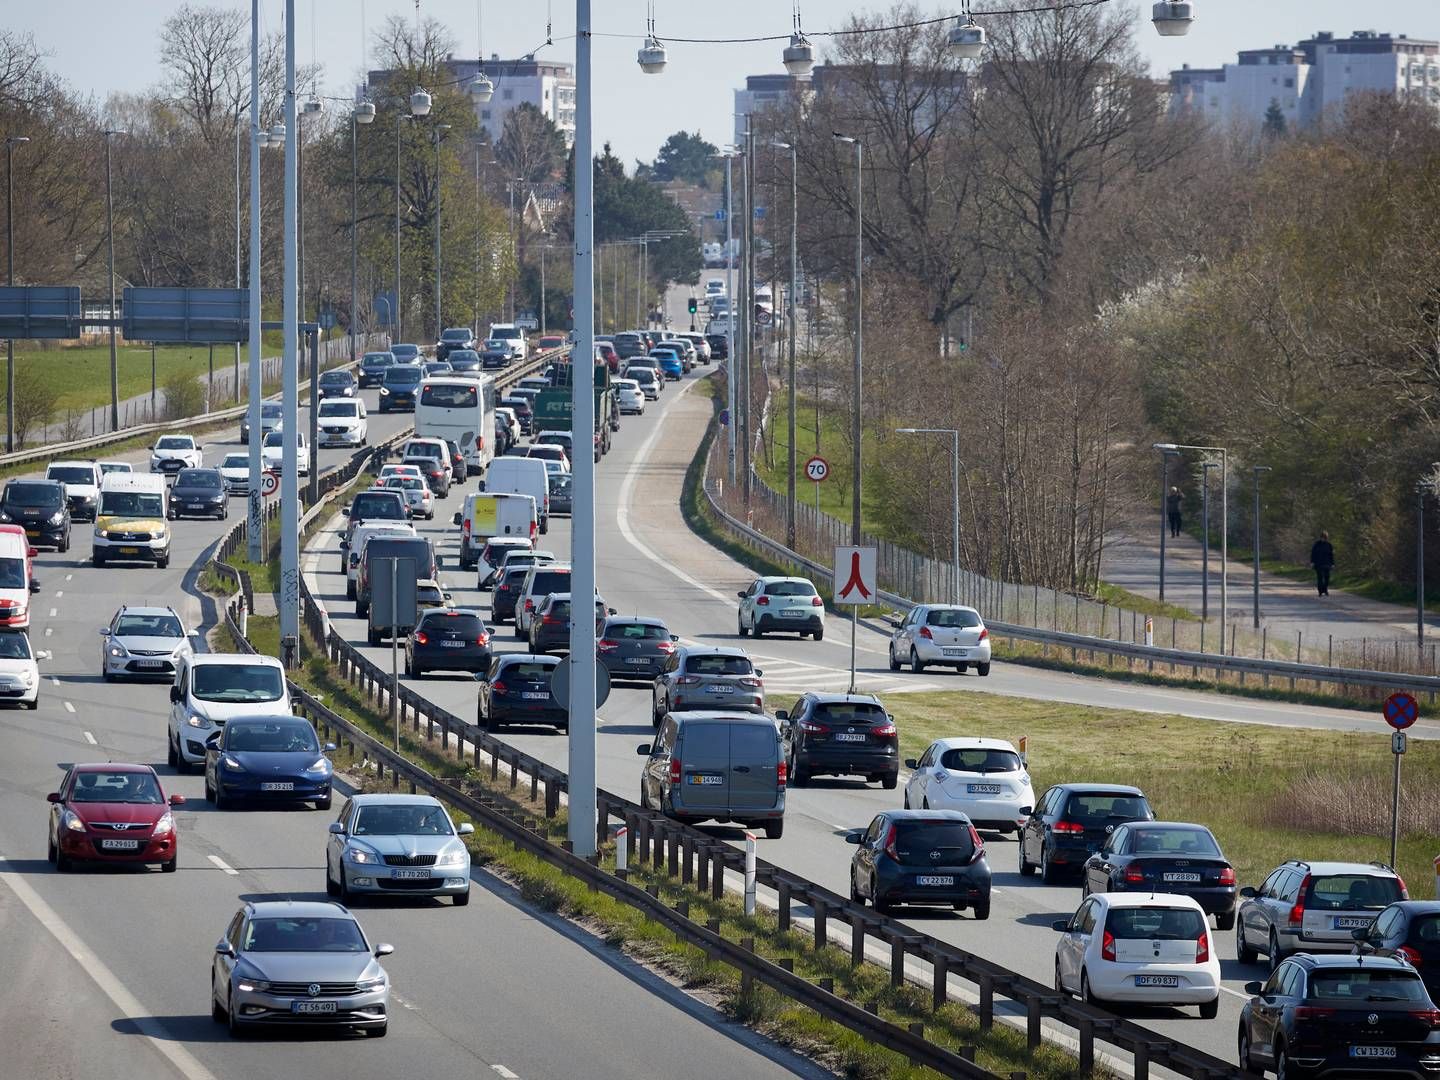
(211, 688)
(522, 476)
(494, 513)
(512, 335)
(16, 584)
(130, 524)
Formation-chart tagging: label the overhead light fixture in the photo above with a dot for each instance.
(365, 113)
(481, 88)
(1173, 18)
(967, 39)
(419, 103)
(799, 55)
(651, 56)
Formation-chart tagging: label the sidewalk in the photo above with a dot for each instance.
(1286, 605)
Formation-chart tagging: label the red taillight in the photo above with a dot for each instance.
(1227, 876)
(782, 772)
(529, 604)
(665, 646)
(1297, 913)
(1312, 1012)
(750, 680)
(1404, 892)
(983, 634)
(499, 688)
(890, 844)
(815, 601)
(1427, 1016)
(1134, 876)
(1202, 948)
(607, 646)
(1069, 828)
(482, 639)
(763, 601)
(977, 850)
(1107, 946)
(422, 638)
(812, 727)
(688, 680)
(552, 620)
(884, 730)
(925, 633)
(1410, 955)
(674, 770)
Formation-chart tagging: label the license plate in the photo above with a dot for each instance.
(1351, 922)
(129, 551)
(720, 689)
(150, 663)
(956, 652)
(312, 1007)
(982, 789)
(452, 644)
(410, 875)
(278, 785)
(535, 695)
(848, 737)
(1372, 1051)
(1181, 877)
(32, 532)
(793, 613)
(638, 660)
(706, 779)
(194, 506)
(1157, 980)
(120, 845)
(934, 879)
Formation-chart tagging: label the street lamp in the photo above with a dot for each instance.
(1255, 471)
(1224, 524)
(436, 135)
(110, 272)
(794, 213)
(1164, 517)
(1172, 19)
(954, 501)
(399, 123)
(859, 326)
(363, 113)
(11, 142)
(799, 55)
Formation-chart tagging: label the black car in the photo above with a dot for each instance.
(399, 387)
(523, 412)
(463, 361)
(550, 625)
(1409, 929)
(372, 368)
(456, 337)
(199, 493)
(1166, 856)
(840, 735)
(493, 554)
(459, 471)
(337, 384)
(39, 507)
(1350, 1016)
(920, 857)
(507, 593)
(374, 505)
(719, 346)
(495, 353)
(447, 639)
(632, 647)
(516, 690)
(504, 437)
(562, 500)
(1070, 822)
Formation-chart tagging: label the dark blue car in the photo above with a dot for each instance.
(270, 758)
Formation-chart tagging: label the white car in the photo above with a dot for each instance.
(143, 641)
(1139, 948)
(947, 635)
(632, 398)
(272, 453)
(513, 337)
(235, 470)
(171, 453)
(417, 494)
(19, 673)
(984, 779)
(396, 469)
(343, 422)
(107, 467)
(82, 486)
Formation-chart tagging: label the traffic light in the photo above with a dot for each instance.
(694, 305)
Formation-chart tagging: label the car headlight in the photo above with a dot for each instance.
(230, 763)
(384, 392)
(366, 985)
(360, 855)
(28, 679)
(251, 985)
(197, 721)
(319, 765)
(72, 821)
(57, 518)
(166, 824)
(457, 857)
(102, 534)
(117, 650)
(160, 533)
(4, 517)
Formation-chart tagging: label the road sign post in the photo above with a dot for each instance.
(854, 584)
(1401, 710)
(817, 469)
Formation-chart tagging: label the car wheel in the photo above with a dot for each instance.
(1247, 1064)
(819, 635)
(50, 849)
(1059, 983)
(163, 563)
(1209, 1010)
(171, 757)
(960, 669)
(236, 1030)
(1026, 867)
(97, 558)
(222, 801)
(1282, 1065)
(982, 670)
(33, 704)
(64, 544)
(169, 866)
(856, 897)
(1086, 994)
(461, 899)
(740, 626)
(906, 804)
(323, 804)
(349, 590)
(775, 829)
(894, 664)
(758, 630)
(1226, 921)
(209, 789)
(331, 889)
(982, 909)
(1275, 953)
(1048, 873)
(378, 1032)
(217, 1011)
(890, 781)
(1243, 952)
(916, 664)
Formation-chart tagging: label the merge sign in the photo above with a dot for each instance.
(855, 577)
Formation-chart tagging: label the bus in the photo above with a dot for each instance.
(463, 411)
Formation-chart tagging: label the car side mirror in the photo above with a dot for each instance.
(224, 948)
(1254, 988)
(1361, 934)
(854, 836)
(644, 749)
(457, 519)
(465, 829)
(910, 763)
(1061, 925)
(175, 693)
(104, 631)
(675, 637)
(34, 585)
(54, 796)
(781, 714)
(44, 654)
(345, 511)
(759, 674)
(1026, 811)
(383, 949)
(329, 748)
(177, 800)
(213, 739)
(1249, 891)
(337, 829)
(741, 594)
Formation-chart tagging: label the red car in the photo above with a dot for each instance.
(112, 813)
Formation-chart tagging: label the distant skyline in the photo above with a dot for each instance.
(104, 48)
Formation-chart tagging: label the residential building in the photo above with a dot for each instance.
(763, 92)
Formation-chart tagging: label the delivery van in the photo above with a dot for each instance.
(493, 513)
(522, 476)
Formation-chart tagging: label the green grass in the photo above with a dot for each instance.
(81, 373)
(1268, 794)
(835, 491)
(1116, 596)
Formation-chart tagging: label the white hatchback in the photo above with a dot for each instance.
(946, 635)
(984, 779)
(632, 398)
(1139, 948)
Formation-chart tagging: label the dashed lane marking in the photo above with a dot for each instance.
(221, 864)
(69, 707)
(54, 612)
(506, 1073)
(90, 739)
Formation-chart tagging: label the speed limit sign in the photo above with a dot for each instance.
(269, 484)
(817, 469)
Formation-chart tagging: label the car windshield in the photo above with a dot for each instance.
(1358, 984)
(368, 506)
(1106, 807)
(71, 474)
(123, 787)
(455, 335)
(1155, 923)
(271, 737)
(789, 588)
(277, 438)
(175, 442)
(292, 934)
(340, 408)
(403, 374)
(850, 712)
(1155, 841)
(527, 671)
(952, 618)
(335, 378)
(237, 682)
(199, 478)
(236, 461)
(149, 626)
(718, 665)
(40, 495)
(12, 573)
(270, 410)
(637, 632)
(135, 504)
(377, 360)
(1352, 892)
(975, 760)
(14, 645)
(402, 819)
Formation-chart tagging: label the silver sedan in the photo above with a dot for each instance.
(403, 845)
(417, 494)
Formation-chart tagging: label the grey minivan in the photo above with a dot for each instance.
(716, 766)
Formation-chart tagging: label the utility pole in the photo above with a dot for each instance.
(793, 290)
(749, 302)
(1256, 470)
(730, 322)
(289, 477)
(110, 267)
(255, 503)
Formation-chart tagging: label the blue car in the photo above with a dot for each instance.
(270, 758)
(670, 365)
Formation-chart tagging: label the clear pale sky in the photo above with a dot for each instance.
(101, 46)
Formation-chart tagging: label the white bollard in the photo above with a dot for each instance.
(622, 847)
(1149, 632)
(749, 873)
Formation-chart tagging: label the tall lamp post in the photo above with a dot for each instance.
(794, 287)
(11, 142)
(110, 273)
(1224, 525)
(363, 113)
(954, 501)
(859, 351)
(439, 132)
(1426, 486)
(1255, 471)
(1205, 467)
(1164, 518)
(255, 503)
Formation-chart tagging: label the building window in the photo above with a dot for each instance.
(1289, 83)
(507, 95)
(484, 114)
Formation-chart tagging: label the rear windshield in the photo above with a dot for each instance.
(548, 581)
(71, 474)
(514, 575)
(958, 620)
(402, 373)
(402, 548)
(1425, 929)
(384, 507)
(1173, 842)
(1155, 923)
(464, 624)
(951, 838)
(529, 670)
(1361, 985)
(1351, 892)
(21, 493)
(423, 450)
(789, 588)
(850, 712)
(450, 397)
(520, 405)
(199, 478)
(980, 761)
(637, 632)
(1105, 806)
(718, 665)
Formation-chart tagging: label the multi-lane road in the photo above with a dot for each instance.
(105, 972)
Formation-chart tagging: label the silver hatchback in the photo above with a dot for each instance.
(707, 677)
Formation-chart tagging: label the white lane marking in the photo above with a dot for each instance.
(223, 865)
(54, 680)
(162, 1039)
(506, 1073)
(69, 708)
(90, 739)
(1236, 993)
(54, 612)
(49, 630)
(59, 593)
(69, 576)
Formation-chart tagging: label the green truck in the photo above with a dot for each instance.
(552, 407)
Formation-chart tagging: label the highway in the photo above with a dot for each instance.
(105, 972)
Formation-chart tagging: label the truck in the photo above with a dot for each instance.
(552, 407)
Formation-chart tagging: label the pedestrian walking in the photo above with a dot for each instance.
(1172, 510)
(1322, 558)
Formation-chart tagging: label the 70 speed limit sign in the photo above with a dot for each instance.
(817, 469)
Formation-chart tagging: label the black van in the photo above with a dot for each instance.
(718, 766)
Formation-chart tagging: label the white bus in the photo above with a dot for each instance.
(463, 411)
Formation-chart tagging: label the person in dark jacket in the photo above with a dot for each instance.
(1322, 558)
(1172, 510)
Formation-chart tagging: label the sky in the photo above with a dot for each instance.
(101, 46)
